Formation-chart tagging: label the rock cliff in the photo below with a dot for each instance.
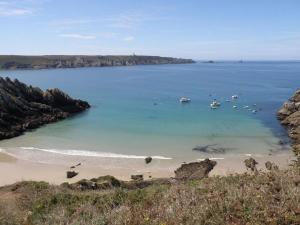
(289, 115)
(25, 107)
(9, 62)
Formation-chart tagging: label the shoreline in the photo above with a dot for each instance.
(20, 169)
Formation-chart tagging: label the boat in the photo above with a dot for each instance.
(234, 96)
(184, 100)
(215, 104)
(235, 107)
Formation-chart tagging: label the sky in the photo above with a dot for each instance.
(197, 29)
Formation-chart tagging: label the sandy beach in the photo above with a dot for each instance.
(13, 170)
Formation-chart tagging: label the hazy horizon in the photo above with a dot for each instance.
(200, 30)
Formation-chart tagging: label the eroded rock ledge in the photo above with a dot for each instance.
(25, 107)
(289, 115)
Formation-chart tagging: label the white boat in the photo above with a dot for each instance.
(184, 100)
(235, 107)
(215, 104)
(234, 96)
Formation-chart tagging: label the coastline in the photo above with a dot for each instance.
(20, 170)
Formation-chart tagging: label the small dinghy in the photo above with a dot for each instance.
(215, 104)
(184, 100)
(234, 97)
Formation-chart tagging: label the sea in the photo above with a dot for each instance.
(135, 112)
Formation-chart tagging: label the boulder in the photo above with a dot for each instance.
(71, 174)
(138, 177)
(195, 170)
(271, 166)
(251, 164)
(148, 160)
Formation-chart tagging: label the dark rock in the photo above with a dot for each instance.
(138, 177)
(210, 149)
(139, 184)
(71, 174)
(25, 107)
(195, 170)
(289, 115)
(100, 183)
(271, 166)
(251, 164)
(148, 160)
(112, 181)
(85, 184)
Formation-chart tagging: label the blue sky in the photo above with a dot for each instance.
(198, 29)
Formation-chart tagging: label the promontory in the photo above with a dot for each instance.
(9, 62)
(25, 107)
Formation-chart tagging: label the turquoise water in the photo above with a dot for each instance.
(136, 111)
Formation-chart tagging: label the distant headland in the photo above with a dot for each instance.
(11, 62)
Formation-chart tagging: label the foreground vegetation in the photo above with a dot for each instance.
(262, 198)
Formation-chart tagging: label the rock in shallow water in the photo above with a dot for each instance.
(25, 107)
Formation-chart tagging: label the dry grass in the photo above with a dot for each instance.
(264, 198)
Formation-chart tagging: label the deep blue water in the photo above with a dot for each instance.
(135, 110)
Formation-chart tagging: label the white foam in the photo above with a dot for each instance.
(211, 159)
(91, 153)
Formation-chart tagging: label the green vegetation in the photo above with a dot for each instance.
(263, 198)
(73, 61)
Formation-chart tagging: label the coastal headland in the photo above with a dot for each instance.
(11, 62)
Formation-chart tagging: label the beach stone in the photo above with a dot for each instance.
(148, 160)
(271, 166)
(195, 170)
(138, 177)
(251, 164)
(71, 174)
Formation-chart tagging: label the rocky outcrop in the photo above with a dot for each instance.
(71, 174)
(64, 61)
(251, 164)
(110, 182)
(289, 115)
(271, 166)
(25, 107)
(148, 160)
(195, 170)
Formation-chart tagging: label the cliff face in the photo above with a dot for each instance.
(289, 115)
(25, 107)
(60, 61)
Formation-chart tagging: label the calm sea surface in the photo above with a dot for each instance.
(136, 111)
